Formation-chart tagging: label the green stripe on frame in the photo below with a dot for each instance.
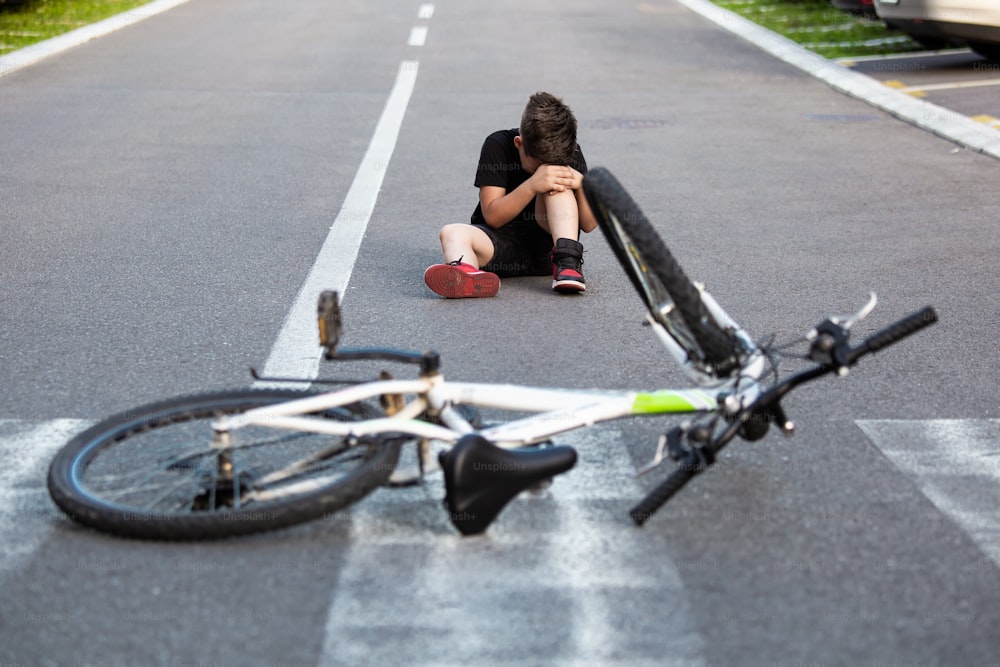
(666, 401)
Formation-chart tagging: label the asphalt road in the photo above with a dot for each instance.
(164, 192)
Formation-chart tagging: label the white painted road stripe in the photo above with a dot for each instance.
(30, 55)
(26, 512)
(956, 464)
(296, 352)
(953, 85)
(418, 35)
(896, 56)
(426, 11)
(559, 579)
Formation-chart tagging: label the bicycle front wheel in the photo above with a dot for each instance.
(154, 473)
(670, 296)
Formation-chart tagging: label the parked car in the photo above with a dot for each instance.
(861, 8)
(943, 23)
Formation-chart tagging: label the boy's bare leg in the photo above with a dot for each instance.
(467, 243)
(465, 248)
(558, 214)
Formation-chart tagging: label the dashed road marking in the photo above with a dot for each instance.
(418, 35)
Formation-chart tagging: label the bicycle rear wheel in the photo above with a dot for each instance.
(670, 296)
(153, 472)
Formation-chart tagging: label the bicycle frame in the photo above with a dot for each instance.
(557, 410)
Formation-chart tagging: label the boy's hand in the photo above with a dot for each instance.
(552, 178)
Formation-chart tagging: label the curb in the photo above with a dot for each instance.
(30, 55)
(942, 122)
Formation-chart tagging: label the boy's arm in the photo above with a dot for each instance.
(500, 207)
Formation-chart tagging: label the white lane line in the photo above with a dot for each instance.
(846, 62)
(418, 35)
(954, 85)
(296, 351)
(30, 55)
(425, 11)
(26, 512)
(561, 578)
(956, 464)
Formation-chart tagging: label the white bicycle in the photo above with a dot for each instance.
(236, 462)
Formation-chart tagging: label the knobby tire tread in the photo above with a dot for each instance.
(605, 192)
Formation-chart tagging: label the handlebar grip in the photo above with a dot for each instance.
(895, 332)
(662, 493)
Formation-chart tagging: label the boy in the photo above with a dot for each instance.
(531, 209)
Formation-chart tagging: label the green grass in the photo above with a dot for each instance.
(24, 23)
(821, 28)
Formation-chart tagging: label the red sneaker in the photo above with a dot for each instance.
(456, 280)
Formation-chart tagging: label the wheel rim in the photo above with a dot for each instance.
(140, 469)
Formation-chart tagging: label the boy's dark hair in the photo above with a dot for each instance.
(548, 129)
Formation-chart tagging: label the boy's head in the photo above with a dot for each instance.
(548, 130)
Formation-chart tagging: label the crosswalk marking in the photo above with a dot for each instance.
(555, 580)
(956, 464)
(26, 512)
(555, 576)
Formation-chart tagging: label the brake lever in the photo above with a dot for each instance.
(849, 321)
(845, 321)
(829, 338)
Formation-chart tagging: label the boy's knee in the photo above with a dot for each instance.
(452, 231)
(557, 203)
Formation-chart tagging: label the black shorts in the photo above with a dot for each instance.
(520, 248)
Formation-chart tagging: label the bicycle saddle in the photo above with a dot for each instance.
(481, 478)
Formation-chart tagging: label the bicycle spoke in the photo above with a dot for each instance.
(270, 484)
(304, 465)
(137, 489)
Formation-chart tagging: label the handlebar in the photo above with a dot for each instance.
(841, 356)
(894, 333)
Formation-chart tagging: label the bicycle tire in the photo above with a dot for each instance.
(657, 276)
(164, 489)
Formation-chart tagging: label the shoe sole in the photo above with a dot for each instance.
(568, 286)
(454, 283)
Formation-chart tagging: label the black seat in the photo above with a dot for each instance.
(481, 478)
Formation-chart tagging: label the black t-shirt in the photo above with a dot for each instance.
(500, 166)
